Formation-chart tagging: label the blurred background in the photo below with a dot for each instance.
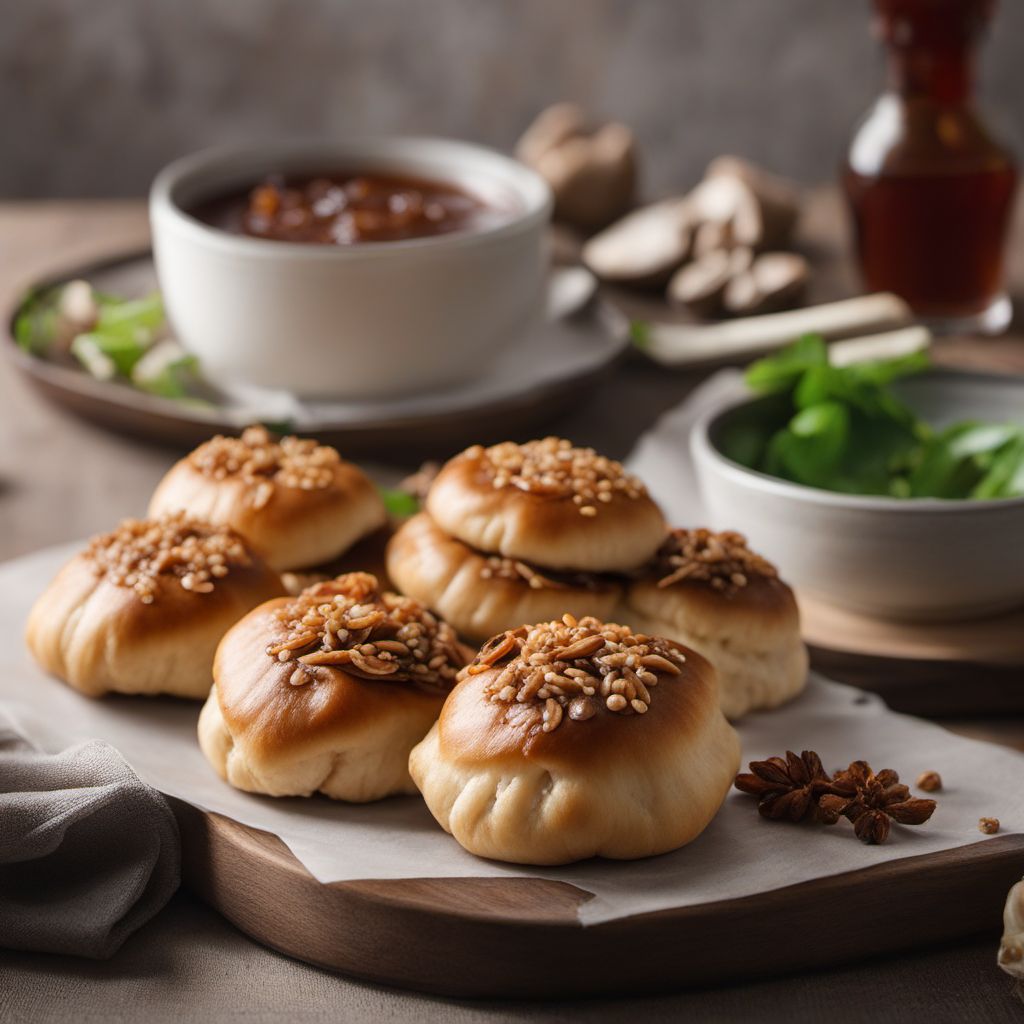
(97, 96)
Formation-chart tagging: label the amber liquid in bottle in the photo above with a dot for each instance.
(930, 190)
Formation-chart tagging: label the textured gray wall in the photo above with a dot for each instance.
(96, 94)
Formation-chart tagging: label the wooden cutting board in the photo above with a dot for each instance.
(515, 938)
(936, 669)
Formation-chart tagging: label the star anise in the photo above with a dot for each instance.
(786, 788)
(870, 801)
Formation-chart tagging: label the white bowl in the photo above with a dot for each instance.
(373, 320)
(916, 558)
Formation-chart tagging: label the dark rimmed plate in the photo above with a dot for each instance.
(524, 389)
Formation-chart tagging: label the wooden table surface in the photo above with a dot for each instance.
(62, 479)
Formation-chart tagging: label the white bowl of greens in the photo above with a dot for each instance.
(886, 487)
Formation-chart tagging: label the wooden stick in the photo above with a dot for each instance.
(690, 344)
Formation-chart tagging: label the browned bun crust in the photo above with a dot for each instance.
(618, 786)
(338, 734)
(548, 530)
(455, 581)
(749, 630)
(291, 527)
(366, 555)
(100, 637)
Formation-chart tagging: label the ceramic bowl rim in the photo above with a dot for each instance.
(532, 192)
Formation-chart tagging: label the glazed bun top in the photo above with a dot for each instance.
(171, 557)
(299, 671)
(570, 692)
(548, 504)
(296, 502)
(715, 573)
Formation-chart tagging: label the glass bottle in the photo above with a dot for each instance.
(930, 189)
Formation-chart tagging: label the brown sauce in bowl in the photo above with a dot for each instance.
(347, 209)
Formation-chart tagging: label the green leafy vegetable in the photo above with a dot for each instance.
(841, 428)
(640, 334)
(1005, 476)
(783, 371)
(35, 326)
(136, 314)
(111, 338)
(400, 504)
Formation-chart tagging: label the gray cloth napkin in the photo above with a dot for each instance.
(88, 852)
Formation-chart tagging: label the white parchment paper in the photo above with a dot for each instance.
(739, 854)
(661, 457)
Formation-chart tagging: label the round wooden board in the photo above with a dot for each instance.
(510, 413)
(971, 667)
(516, 938)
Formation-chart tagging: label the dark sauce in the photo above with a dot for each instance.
(347, 209)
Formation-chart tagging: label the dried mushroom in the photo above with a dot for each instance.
(765, 207)
(645, 247)
(700, 286)
(591, 171)
(720, 249)
(772, 282)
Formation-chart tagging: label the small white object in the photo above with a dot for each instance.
(888, 345)
(96, 362)
(78, 306)
(1011, 949)
(156, 360)
(569, 291)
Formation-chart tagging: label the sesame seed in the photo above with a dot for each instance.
(554, 468)
(176, 546)
(721, 560)
(262, 463)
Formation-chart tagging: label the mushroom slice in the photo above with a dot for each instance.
(700, 286)
(774, 281)
(645, 246)
(767, 213)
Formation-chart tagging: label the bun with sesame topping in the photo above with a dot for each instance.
(142, 609)
(548, 504)
(575, 739)
(327, 692)
(298, 504)
(479, 594)
(711, 592)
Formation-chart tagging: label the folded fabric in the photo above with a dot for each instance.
(88, 852)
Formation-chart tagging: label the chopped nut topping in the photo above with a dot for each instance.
(575, 666)
(930, 782)
(139, 551)
(260, 461)
(497, 568)
(516, 571)
(990, 826)
(553, 468)
(721, 559)
(373, 634)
